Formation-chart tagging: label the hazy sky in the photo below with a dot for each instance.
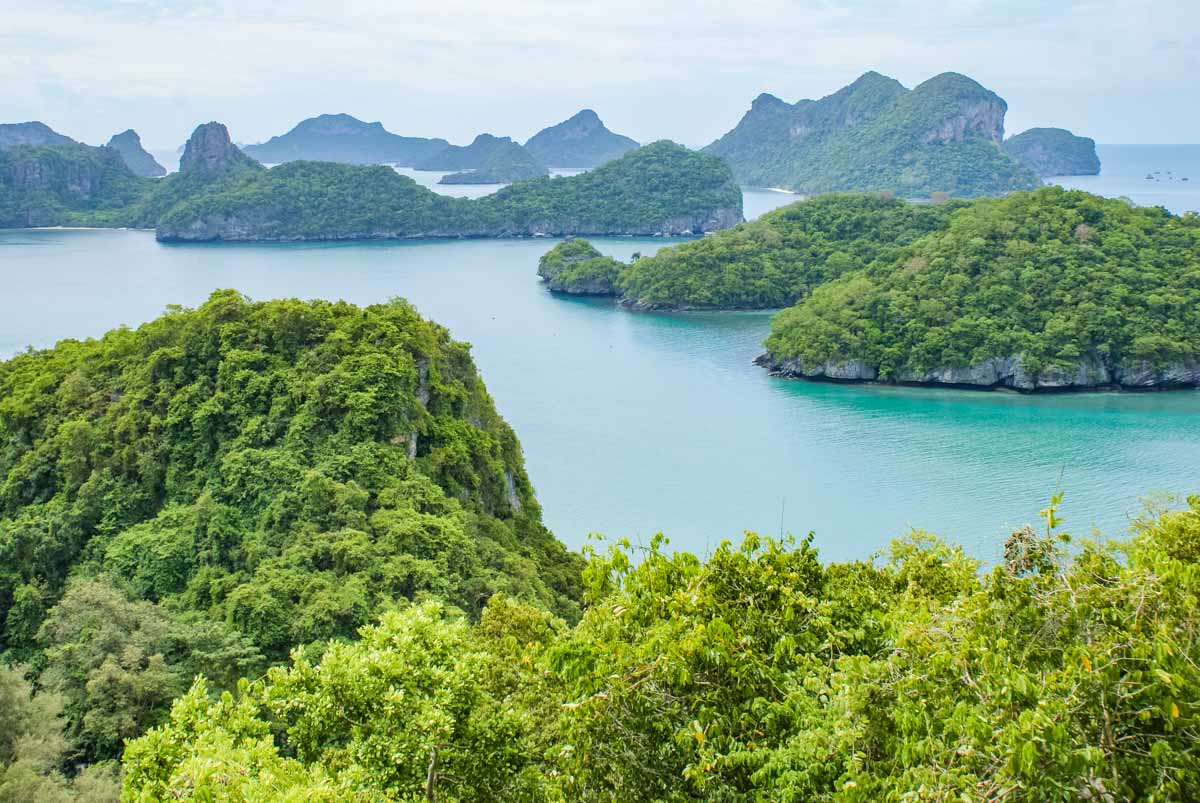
(1116, 70)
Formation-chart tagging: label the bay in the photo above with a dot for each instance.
(634, 423)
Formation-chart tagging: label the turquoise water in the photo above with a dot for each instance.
(634, 423)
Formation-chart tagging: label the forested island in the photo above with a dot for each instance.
(1041, 291)
(580, 141)
(576, 268)
(288, 550)
(1054, 152)
(503, 164)
(343, 138)
(136, 158)
(942, 137)
(220, 193)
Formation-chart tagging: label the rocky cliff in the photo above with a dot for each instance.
(129, 145)
(943, 136)
(1054, 152)
(580, 141)
(210, 151)
(1093, 373)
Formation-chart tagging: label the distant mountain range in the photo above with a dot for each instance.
(503, 163)
(342, 138)
(467, 157)
(581, 141)
(943, 136)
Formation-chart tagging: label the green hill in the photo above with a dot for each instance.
(260, 476)
(943, 136)
(1047, 290)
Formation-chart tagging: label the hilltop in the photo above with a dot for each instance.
(943, 136)
(581, 141)
(1054, 152)
(136, 158)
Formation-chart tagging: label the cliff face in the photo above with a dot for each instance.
(72, 184)
(1005, 372)
(581, 141)
(1054, 152)
(32, 133)
(129, 145)
(210, 151)
(875, 135)
(342, 138)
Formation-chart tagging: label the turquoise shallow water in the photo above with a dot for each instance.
(634, 423)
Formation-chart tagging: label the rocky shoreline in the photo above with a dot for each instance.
(1003, 373)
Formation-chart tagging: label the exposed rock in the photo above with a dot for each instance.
(1092, 373)
(210, 151)
(141, 163)
(32, 133)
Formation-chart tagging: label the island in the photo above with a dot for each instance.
(220, 193)
(942, 137)
(343, 138)
(574, 267)
(580, 141)
(1045, 291)
(503, 164)
(136, 158)
(1054, 152)
(473, 156)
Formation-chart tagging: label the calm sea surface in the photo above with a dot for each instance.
(635, 423)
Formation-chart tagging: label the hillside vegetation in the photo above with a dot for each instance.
(759, 673)
(220, 486)
(943, 136)
(1054, 288)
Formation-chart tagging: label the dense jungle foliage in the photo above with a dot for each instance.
(222, 485)
(1053, 276)
(70, 184)
(780, 257)
(759, 673)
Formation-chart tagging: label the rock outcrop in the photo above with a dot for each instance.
(1093, 373)
(32, 133)
(1054, 152)
(136, 158)
(210, 151)
(943, 136)
(581, 141)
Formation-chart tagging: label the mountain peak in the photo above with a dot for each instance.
(210, 150)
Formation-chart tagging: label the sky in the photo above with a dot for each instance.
(1120, 71)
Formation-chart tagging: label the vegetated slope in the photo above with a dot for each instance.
(944, 136)
(575, 267)
(67, 185)
(759, 673)
(504, 164)
(780, 257)
(580, 141)
(661, 188)
(1053, 289)
(260, 476)
(342, 138)
(1054, 152)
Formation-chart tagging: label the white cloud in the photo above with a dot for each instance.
(681, 70)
